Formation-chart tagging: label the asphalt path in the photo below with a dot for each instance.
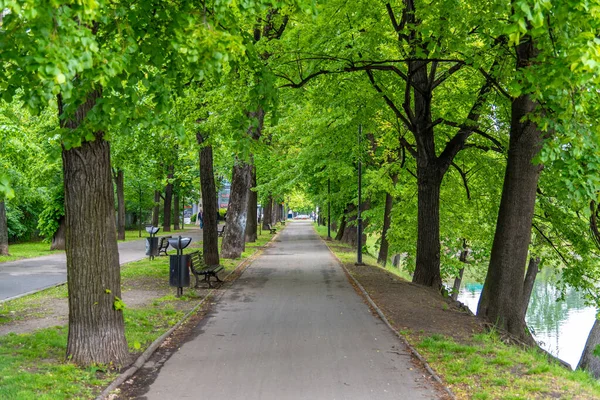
(33, 274)
(291, 327)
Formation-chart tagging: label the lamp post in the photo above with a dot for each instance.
(359, 217)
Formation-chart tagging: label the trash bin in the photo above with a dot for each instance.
(152, 241)
(179, 270)
(179, 264)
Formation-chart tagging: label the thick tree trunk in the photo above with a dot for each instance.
(210, 210)
(168, 200)
(3, 230)
(96, 327)
(156, 209)
(532, 271)
(387, 222)
(237, 212)
(59, 237)
(590, 362)
(120, 205)
(350, 235)
(501, 301)
(252, 224)
(340, 232)
(176, 212)
(267, 211)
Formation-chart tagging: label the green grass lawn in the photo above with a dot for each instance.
(20, 251)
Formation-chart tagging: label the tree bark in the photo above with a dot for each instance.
(501, 301)
(350, 235)
(252, 224)
(120, 205)
(237, 212)
(168, 200)
(176, 212)
(3, 230)
(267, 211)
(458, 280)
(590, 362)
(210, 209)
(387, 222)
(59, 237)
(532, 271)
(156, 209)
(96, 327)
(340, 232)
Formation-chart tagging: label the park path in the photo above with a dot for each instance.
(291, 327)
(30, 275)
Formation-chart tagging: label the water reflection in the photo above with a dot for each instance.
(561, 328)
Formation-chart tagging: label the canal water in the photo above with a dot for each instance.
(560, 327)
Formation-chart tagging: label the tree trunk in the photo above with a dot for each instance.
(501, 301)
(120, 205)
(156, 209)
(387, 222)
(350, 235)
(252, 224)
(96, 327)
(340, 232)
(176, 212)
(273, 220)
(3, 230)
(458, 280)
(168, 200)
(590, 362)
(267, 210)
(532, 271)
(237, 212)
(210, 210)
(59, 237)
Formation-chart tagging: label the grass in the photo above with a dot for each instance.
(485, 367)
(33, 366)
(347, 254)
(21, 251)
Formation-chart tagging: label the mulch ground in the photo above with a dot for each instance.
(419, 310)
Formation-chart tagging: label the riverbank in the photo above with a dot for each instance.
(473, 362)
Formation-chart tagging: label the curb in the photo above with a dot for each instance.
(141, 360)
(384, 319)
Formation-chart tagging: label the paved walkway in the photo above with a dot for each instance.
(33, 274)
(291, 327)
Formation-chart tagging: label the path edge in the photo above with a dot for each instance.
(382, 316)
(141, 360)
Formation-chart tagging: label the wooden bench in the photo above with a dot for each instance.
(163, 244)
(198, 267)
(222, 231)
(272, 230)
(283, 223)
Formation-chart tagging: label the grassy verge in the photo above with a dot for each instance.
(346, 253)
(33, 366)
(20, 251)
(484, 367)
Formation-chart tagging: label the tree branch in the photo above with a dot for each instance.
(463, 175)
(447, 74)
(389, 102)
(551, 244)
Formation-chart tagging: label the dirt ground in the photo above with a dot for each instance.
(419, 310)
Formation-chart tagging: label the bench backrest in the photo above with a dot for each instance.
(197, 258)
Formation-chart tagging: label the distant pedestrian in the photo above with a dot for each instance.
(201, 219)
